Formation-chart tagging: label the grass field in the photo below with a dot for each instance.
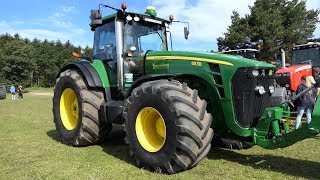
(38, 89)
(29, 150)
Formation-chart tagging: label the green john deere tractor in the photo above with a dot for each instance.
(168, 102)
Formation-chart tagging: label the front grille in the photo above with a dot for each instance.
(247, 103)
(283, 80)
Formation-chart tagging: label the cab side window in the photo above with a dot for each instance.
(105, 42)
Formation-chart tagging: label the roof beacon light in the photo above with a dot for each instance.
(171, 18)
(151, 11)
(124, 6)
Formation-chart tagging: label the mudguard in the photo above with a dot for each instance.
(87, 71)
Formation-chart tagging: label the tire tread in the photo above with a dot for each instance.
(92, 129)
(187, 106)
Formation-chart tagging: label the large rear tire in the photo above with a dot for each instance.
(167, 126)
(76, 111)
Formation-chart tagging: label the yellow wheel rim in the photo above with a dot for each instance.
(150, 129)
(69, 109)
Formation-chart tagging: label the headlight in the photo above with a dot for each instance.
(260, 90)
(129, 18)
(255, 72)
(271, 89)
(136, 18)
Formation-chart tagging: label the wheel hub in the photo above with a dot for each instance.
(69, 109)
(150, 129)
(75, 108)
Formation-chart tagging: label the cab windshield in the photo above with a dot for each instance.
(306, 56)
(142, 36)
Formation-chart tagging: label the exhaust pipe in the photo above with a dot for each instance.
(283, 58)
(119, 39)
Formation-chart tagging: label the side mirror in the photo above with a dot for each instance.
(95, 17)
(186, 29)
(186, 32)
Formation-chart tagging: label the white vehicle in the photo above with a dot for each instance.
(247, 53)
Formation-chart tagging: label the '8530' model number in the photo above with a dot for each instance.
(196, 63)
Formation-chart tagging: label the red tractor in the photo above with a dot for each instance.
(290, 77)
(304, 58)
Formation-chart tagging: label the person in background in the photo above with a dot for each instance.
(13, 92)
(20, 91)
(316, 73)
(305, 102)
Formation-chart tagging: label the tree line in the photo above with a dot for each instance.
(271, 25)
(33, 62)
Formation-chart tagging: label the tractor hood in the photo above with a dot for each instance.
(295, 68)
(218, 58)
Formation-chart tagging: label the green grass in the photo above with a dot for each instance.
(38, 89)
(29, 150)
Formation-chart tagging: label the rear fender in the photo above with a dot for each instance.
(90, 74)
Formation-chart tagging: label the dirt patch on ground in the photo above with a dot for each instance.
(40, 93)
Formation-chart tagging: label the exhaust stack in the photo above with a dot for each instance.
(283, 58)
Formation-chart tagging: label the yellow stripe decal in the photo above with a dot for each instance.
(186, 58)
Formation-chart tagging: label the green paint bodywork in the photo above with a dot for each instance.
(102, 72)
(107, 77)
(315, 123)
(284, 138)
(223, 114)
(271, 131)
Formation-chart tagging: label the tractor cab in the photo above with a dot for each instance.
(121, 41)
(306, 54)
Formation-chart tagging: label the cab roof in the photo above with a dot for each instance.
(113, 16)
(306, 46)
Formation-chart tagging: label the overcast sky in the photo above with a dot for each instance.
(69, 19)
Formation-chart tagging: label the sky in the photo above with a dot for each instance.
(69, 19)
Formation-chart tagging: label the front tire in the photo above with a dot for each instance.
(76, 111)
(167, 126)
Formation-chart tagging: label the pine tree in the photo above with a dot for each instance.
(273, 24)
